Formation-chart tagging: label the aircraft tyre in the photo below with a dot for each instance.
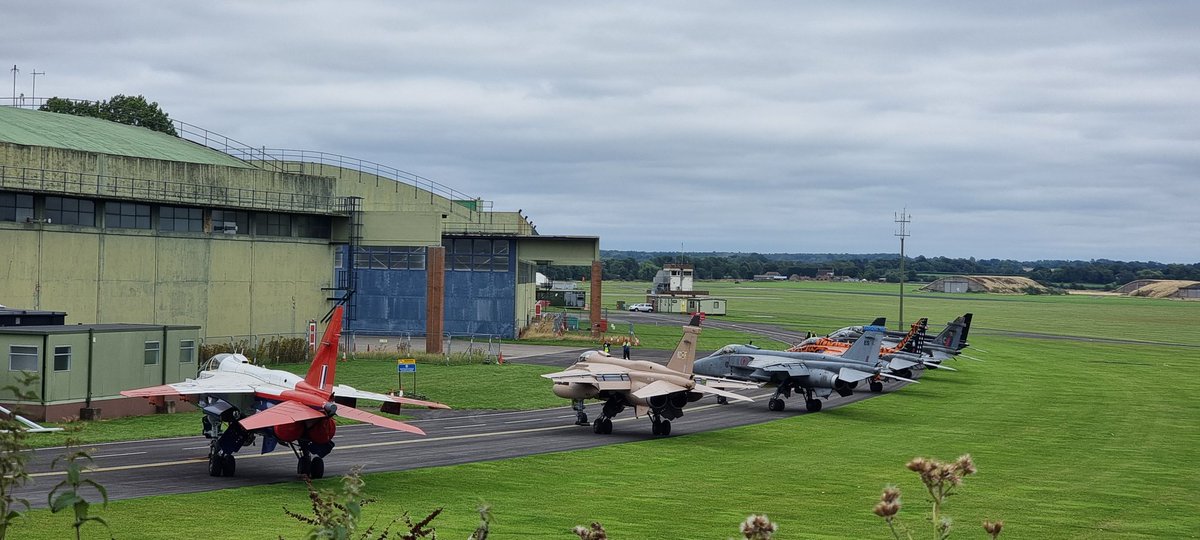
(775, 404)
(581, 418)
(316, 469)
(303, 465)
(655, 427)
(664, 428)
(228, 465)
(876, 386)
(215, 464)
(722, 400)
(814, 405)
(597, 426)
(606, 426)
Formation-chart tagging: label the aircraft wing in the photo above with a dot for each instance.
(342, 390)
(658, 388)
(347, 411)
(900, 363)
(209, 383)
(853, 375)
(711, 390)
(717, 382)
(286, 412)
(793, 369)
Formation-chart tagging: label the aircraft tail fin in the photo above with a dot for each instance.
(879, 321)
(951, 336)
(914, 341)
(324, 365)
(865, 348)
(685, 354)
(962, 340)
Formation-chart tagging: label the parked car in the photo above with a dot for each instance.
(645, 308)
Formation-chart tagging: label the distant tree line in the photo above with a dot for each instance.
(641, 266)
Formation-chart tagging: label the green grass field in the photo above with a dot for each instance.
(1073, 439)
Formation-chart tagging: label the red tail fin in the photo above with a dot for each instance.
(324, 365)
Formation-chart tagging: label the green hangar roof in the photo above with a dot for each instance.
(39, 128)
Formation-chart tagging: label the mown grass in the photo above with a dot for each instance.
(1073, 439)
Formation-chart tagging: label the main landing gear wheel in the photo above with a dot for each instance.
(722, 400)
(216, 465)
(228, 465)
(775, 404)
(316, 469)
(602, 426)
(303, 465)
(814, 405)
(660, 427)
(876, 386)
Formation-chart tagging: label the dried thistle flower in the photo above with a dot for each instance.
(758, 527)
(965, 465)
(595, 532)
(993, 528)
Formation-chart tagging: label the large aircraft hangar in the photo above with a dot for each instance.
(113, 223)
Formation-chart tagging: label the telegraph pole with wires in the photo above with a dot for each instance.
(902, 219)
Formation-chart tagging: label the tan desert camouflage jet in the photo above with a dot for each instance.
(651, 389)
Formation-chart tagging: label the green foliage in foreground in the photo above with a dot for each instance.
(1072, 440)
(479, 386)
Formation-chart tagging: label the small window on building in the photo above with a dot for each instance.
(67, 211)
(62, 358)
(175, 218)
(122, 215)
(312, 226)
(22, 358)
(153, 348)
(16, 207)
(187, 350)
(274, 225)
(230, 222)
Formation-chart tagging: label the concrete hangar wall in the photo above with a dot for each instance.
(113, 223)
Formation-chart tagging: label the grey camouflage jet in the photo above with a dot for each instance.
(810, 374)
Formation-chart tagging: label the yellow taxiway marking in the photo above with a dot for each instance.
(347, 447)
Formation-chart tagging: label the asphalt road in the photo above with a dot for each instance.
(171, 466)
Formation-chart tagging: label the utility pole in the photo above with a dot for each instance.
(35, 74)
(903, 219)
(14, 71)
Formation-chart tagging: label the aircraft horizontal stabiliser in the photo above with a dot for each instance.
(242, 401)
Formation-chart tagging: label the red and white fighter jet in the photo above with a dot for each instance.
(279, 406)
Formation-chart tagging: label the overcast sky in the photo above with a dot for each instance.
(1039, 130)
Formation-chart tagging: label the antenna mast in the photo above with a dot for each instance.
(14, 71)
(902, 219)
(35, 74)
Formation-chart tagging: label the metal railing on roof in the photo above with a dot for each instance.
(285, 160)
(140, 189)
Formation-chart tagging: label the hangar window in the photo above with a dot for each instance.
(67, 211)
(174, 218)
(313, 226)
(187, 350)
(22, 358)
(62, 358)
(389, 258)
(16, 207)
(153, 348)
(274, 225)
(478, 255)
(230, 222)
(126, 215)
